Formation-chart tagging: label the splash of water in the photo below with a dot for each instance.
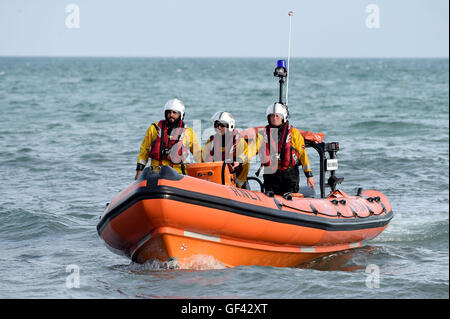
(201, 262)
(195, 262)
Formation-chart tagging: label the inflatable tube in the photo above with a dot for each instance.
(171, 216)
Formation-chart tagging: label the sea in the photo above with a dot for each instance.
(70, 133)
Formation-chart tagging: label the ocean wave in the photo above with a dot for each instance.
(392, 126)
(18, 224)
(415, 229)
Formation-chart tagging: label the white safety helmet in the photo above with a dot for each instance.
(175, 105)
(278, 109)
(225, 118)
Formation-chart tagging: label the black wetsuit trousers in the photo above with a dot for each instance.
(282, 182)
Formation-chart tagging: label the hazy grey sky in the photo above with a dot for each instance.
(230, 28)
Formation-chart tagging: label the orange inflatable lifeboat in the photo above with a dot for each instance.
(169, 216)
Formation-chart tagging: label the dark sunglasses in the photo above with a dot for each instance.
(218, 124)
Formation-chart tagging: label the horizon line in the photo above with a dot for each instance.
(221, 57)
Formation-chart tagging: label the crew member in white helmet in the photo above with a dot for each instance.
(281, 148)
(226, 145)
(169, 141)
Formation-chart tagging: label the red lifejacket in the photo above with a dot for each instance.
(216, 144)
(171, 149)
(282, 149)
(228, 153)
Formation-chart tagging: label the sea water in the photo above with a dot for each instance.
(70, 132)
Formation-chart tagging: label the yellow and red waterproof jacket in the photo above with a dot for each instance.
(290, 148)
(169, 148)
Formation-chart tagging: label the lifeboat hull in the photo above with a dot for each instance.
(168, 216)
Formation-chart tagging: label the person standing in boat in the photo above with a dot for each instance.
(226, 145)
(281, 148)
(169, 141)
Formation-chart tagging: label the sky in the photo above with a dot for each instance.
(226, 28)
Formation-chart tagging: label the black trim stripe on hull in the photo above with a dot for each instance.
(225, 204)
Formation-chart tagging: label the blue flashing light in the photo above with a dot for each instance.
(281, 64)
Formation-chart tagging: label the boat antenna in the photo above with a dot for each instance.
(291, 13)
(281, 71)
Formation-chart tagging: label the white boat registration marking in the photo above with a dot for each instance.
(201, 236)
(307, 249)
(355, 245)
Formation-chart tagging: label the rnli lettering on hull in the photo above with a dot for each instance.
(239, 192)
